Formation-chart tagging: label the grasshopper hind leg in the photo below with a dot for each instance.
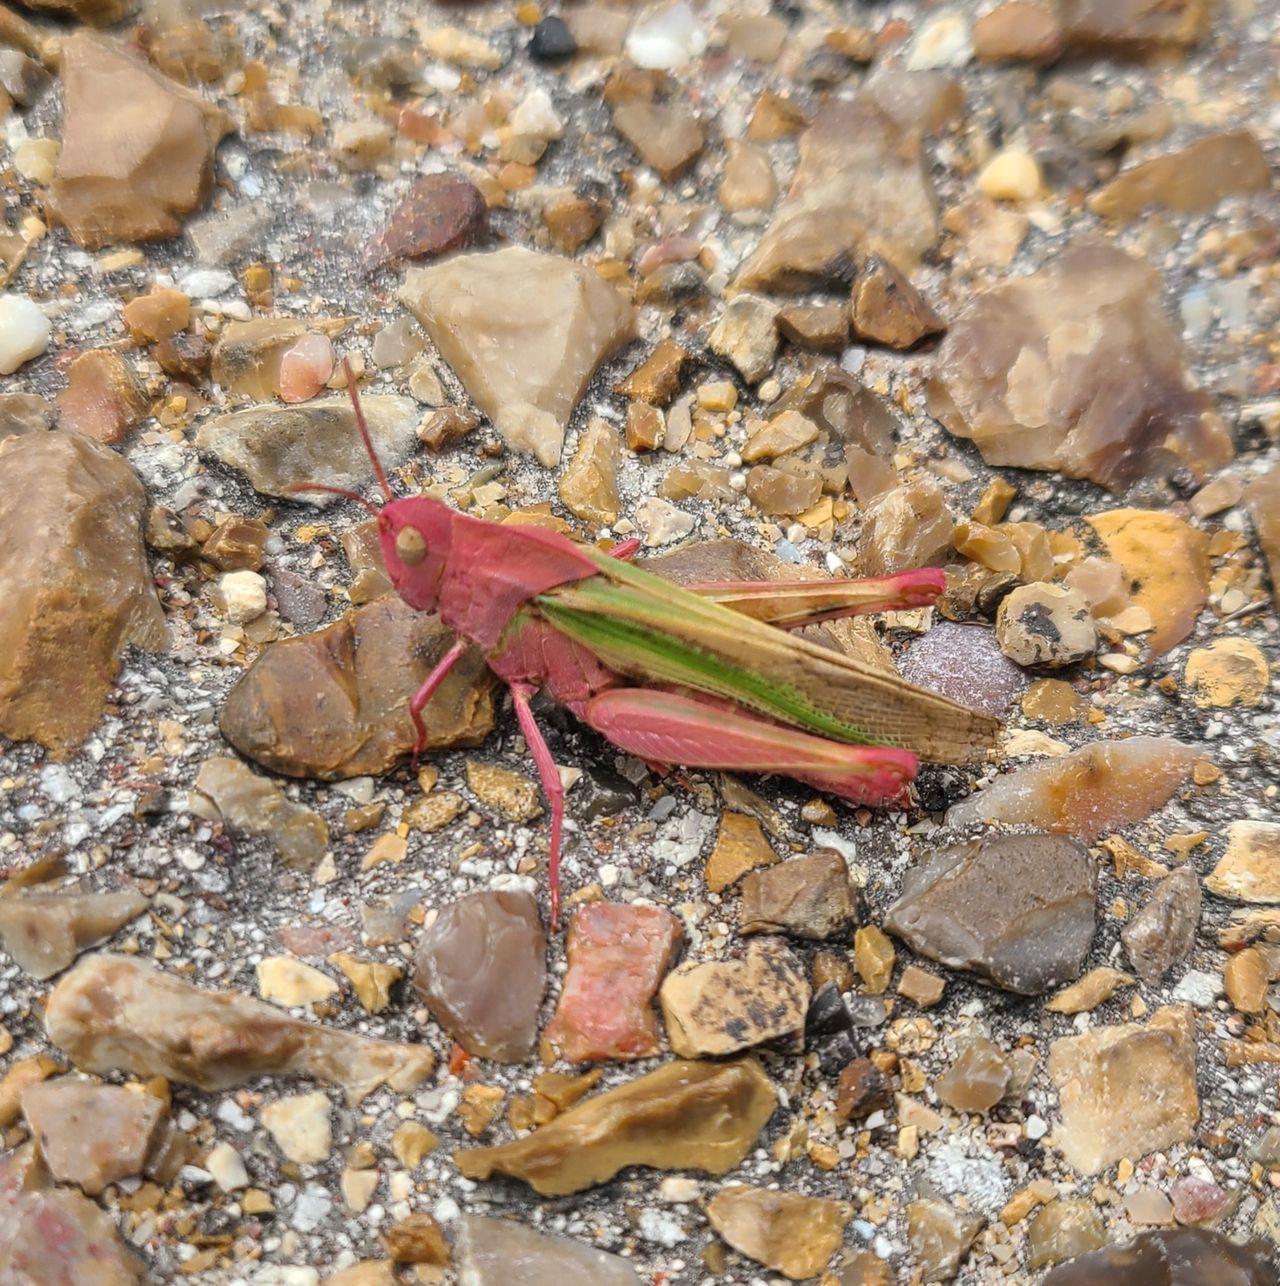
(671, 727)
(522, 694)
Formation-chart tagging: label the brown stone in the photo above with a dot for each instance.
(589, 485)
(748, 182)
(1245, 978)
(657, 379)
(334, 703)
(137, 148)
(978, 1079)
(862, 1089)
(887, 309)
(417, 1239)
(236, 544)
(1126, 1091)
(921, 987)
(1090, 991)
(115, 1013)
(44, 932)
(75, 583)
(1249, 870)
(1163, 932)
(440, 213)
(790, 1233)
(501, 1252)
(909, 526)
(1263, 499)
(695, 1115)
(1017, 31)
(1177, 1257)
(1004, 378)
(824, 328)
(940, 1237)
(160, 314)
(861, 188)
(666, 135)
(873, 958)
(1134, 27)
(1195, 179)
(103, 398)
(573, 218)
(740, 847)
(809, 897)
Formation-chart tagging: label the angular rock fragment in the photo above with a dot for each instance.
(746, 336)
(861, 188)
(526, 367)
(1249, 870)
(617, 957)
(908, 526)
(978, 1079)
(44, 932)
(1090, 991)
(1127, 1090)
(748, 182)
(257, 806)
(277, 447)
(684, 1115)
(481, 969)
(292, 984)
(740, 847)
(115, 1013)
(1193, 179)
(1178, 1257)
(1018, 909)
(24, 413)
(724, 1006)
(1032, 371)
(55, 1236)
(441, 213)
(299, 1123)
(1043, 624)
(940, 1237)
(131, 171)
(1062, 1230)
(1165, 562)
(1018, 31)
(1087, 793)
(589, 486)
(74, 581)
(666, 135)
(862, 1089)
(1263, 499)
(887, 309)
(790, 1233)
(249, 356)
(1164, 930)
(1133, 28)
(499, 1252)
(809, 897)
(103, 398)
(92, 1135)
(1228, 672)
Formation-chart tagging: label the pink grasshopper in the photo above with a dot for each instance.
(705, 676)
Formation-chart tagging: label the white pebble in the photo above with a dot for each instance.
(536, 116)
(243, 594)
(227, 1167)
(206, 281)
(942, 41)
(24, 332)
(666, 38)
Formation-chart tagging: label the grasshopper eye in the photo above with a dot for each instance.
(411, 546)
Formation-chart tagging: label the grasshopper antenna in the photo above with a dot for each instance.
(363, 426)
(296, 487)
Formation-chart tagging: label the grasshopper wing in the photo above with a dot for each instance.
(651, 630)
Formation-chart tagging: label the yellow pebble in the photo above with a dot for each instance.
(1010, 175)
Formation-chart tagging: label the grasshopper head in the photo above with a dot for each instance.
(415, 537)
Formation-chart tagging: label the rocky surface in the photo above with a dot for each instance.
(724, 263)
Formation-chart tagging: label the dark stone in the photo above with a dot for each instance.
(863, 1089)
(552, 41)
(441, 213)
(807, 897)
(1177, 1257)
(1017, 909)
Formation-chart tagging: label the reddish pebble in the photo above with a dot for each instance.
(617, 957)
(441, 213)
(305, 368)
(672, 250)
(1197, 1201)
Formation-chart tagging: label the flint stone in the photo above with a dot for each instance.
(481, 969)
(526, 367)
(1126, 1091)
(499, 1252)
(115, 1013)
(1076, 368)
(1176, 1257)
(441, 213)
(137, 148)
(684, 1115)
(1017, 909)
(809, 897)
(277, 447)
(862, 187)
(1087, 793)
(1164, 930)
(792, 1234)
(75, 583)
(335, 703)
(92, 1135)
(44, 932)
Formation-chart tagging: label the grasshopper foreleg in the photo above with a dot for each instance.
(521, 694)
(696, 733)
(427, 691)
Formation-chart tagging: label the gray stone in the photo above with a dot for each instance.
(1017, 909)
(497, 1252)
(1163, 932)
(1175, 1257)
(808, 897)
